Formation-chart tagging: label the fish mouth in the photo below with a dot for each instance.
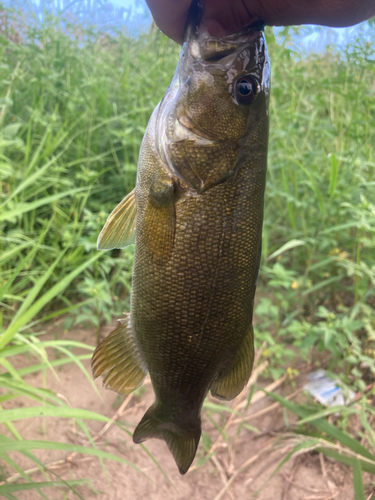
(217, 56)
(199, 44)
(214, 49)
(200, 53)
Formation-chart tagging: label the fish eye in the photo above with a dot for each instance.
(245, 89)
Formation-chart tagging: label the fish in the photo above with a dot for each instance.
(196, 216)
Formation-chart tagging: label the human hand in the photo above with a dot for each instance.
(222, 17)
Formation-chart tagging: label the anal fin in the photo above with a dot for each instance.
(118, 231)
(234, 379)
(117, 360)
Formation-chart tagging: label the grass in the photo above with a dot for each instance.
(76, 103)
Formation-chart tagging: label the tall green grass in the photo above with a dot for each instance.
(319, 231)
(74, 107)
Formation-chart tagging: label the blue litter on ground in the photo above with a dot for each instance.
(325, 389)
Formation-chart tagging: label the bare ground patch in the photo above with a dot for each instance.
(241, 460)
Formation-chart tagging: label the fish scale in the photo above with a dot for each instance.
(196, 212)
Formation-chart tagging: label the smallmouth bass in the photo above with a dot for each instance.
(197, 213)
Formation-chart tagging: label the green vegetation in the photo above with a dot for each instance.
(74, 107)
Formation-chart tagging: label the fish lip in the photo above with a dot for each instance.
(254, 27)
(213, 48)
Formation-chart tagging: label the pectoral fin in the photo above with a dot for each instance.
(233, 380)
(117, 359)
(159, 222)
(118, 231)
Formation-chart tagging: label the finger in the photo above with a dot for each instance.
(222, 17)
(170, 16)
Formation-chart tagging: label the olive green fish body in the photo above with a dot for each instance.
(197, 210)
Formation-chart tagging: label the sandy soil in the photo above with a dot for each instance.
(245, 459)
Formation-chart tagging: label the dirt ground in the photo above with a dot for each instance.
(240, 465)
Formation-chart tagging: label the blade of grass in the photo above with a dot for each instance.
(30, 180)
(76, 360)
(24, 262)
(345, 459)
(308, 444)
(44, 396)
(56, 362)
(23, 208)
(333, 176)
(37, 287)
(27, 445)
(50, 411)
(326, 412)
(287, 246)
(10, 488)
(40, 303)
(359, 493)
(322, 425)
(16, 467)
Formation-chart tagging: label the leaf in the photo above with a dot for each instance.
(345, 459)
(6, 170)
(56, 362)
(50, 411)
(308, 444)
(45, 299)
(41, 467)
(11, 130)
(9, 488)
(10, 369)
(217, 408)
(359, 493)
(343, 437)
(30, 180)
(22, 208)
(144, 448)
(27, 445)
(287, 246)
(4, 288)
(9, 461)
(313, 185)
(43, 396)
(333, 174)
(322, 284)
(326, 412)
(10, 254)
(31, 296)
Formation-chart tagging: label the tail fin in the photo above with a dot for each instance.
(182, 441)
